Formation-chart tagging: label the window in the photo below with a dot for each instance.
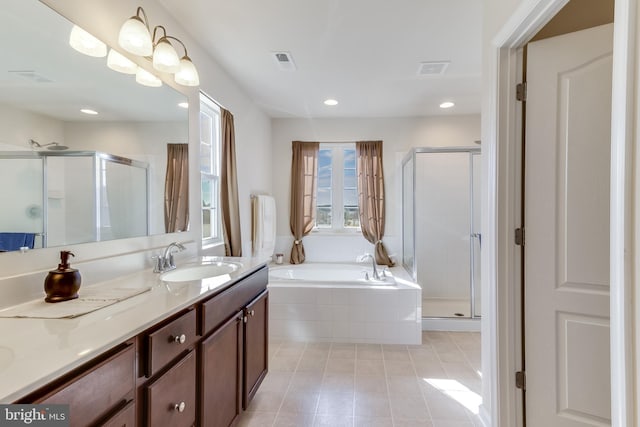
(337, 192)
(210, 135)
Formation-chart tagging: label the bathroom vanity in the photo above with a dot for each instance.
(189, 353)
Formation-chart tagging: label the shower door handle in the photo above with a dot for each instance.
(477, 236)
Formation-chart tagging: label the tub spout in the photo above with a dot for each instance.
(376, 274)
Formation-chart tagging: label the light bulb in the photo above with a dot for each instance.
(165, 57)
(145, 78)
(120, 63)
(188, 75)
(134, 37)
(85, 43)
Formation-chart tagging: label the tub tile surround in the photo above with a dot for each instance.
(347, 313)
(436, 384)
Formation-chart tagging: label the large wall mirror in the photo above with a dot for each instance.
(69, 177)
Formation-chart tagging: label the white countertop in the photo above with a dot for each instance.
(33, 352)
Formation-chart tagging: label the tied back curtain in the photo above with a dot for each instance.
(304, 170)
(371, 196)
(176, 189)
(229, 203)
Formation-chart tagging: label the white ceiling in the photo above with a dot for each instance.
(364, 53)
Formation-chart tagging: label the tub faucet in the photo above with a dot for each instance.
(165, 261)
(363, 258)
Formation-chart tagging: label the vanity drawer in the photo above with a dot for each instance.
(224, 305)
(171, 399)
(126, 417)
(99, 390)
(171, 340)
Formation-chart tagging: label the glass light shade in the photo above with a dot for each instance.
(85, 43)
(145, 78)
(165, 57)
(188, 75)
(120, 63)
(134, 37)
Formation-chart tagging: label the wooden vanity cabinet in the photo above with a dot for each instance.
(199, 367)
(256, 351)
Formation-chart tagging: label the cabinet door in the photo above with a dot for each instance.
(171, 398)
(221, 373)
(256, 353)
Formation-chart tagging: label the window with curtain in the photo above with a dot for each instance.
(337, 194)
(210, 171)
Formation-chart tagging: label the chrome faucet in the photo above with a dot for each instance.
(363, 258)
(165, 262)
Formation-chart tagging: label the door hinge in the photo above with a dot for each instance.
(521, 380)
(521, 91)
(520, 236)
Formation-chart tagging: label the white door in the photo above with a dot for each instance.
(568, 136)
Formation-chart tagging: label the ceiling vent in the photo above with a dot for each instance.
(30, 75)
(284, 61)
(433, 68)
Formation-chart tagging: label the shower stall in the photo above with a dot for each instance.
(441, 237)
(70, 197)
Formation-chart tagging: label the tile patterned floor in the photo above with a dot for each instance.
(436, 384)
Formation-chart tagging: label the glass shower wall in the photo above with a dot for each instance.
(441, 223)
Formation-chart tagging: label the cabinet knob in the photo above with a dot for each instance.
(180, 406)
(252, 313)
(180, 339)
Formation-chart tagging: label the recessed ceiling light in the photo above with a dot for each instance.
(447, 104)
(330, 102)
(88, 111)
(183, 105)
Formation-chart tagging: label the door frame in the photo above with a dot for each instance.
(500, 265)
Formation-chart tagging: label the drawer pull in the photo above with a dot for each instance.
(180, 406)
(180, 339)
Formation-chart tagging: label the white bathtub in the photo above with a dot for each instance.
(330, 274)
(334, 302)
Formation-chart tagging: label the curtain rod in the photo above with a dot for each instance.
(214, 101)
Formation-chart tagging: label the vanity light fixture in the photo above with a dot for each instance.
(330, 102)
(134, 36)
(145, 78)
(120, 63)
(85, 43)
(447, 104)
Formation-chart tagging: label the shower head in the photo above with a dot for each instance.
(50, 146)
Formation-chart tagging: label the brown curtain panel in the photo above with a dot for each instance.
(304, 170)
(176, 189)
(229, 189)
(371, 196)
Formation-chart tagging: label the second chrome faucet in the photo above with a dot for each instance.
(165, 262)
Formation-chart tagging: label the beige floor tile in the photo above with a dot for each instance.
(399, 367)
(300, 402)
(276, 381)
(342, 351)
(403, 422)
(409, 407)
(371, 352)
(446, 408)
(371, 384)
(256, 419)
(317, 353)
(306, 382)
(321, 420)
(373, 422)
(336, 404)
(370, 367)
(311, 364)
(403, 386)
(267, 401)
(286, 364)
(372, 405)
(452, 356)
(337, 366)
(400, 353)
(292, 419)
(338, 383)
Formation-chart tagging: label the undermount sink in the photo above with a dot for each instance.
(200, 271)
